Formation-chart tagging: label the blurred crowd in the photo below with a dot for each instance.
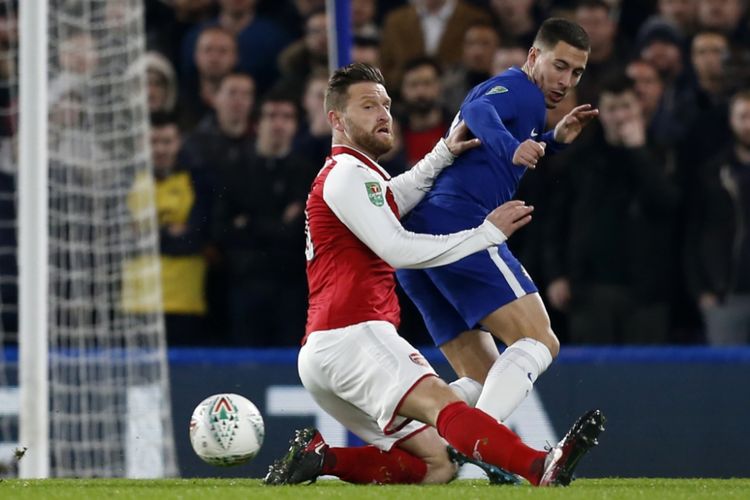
(639, 234)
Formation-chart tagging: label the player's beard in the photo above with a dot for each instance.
(370, 142)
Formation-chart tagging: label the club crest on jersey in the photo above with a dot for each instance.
(498, 89)
(375, 193)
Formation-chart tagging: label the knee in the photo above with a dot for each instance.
(546, 336)
(552, 343)
(440, 470)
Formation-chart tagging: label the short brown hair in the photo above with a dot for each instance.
(556, 29)
(337, 92)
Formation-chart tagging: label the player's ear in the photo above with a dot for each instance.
(335, 120)
(532, 56)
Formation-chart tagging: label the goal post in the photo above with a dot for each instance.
(32, 241)
(92, 369)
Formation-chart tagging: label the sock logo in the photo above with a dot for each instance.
(475, 452)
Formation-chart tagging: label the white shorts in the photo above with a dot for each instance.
(360, 374)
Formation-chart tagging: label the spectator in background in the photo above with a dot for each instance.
(305, 56)
(709, 130)
(481, 41)
(363, 18)
(507, 56)
(718, 249)
(607, 55)
(682, 14)
(433, 28)
(649, 87)
(221, 141)
(215, 57)
(662, 47)
(167, 23)
(162, 83)
(366, 49)
(517, 20)
(259, 226)
(422, 118)
(182, 208)
(610, 247)
(313, 141)
(259, 39)
(727, 16)
(224, 138)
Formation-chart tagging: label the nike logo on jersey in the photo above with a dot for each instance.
(533, 133)
(498, 89)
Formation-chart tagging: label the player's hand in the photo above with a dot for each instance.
(458, 140)
(558, 294)
(528, 153)
(571, 124)
(511, 216)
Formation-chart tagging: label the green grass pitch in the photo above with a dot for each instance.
(251, 489)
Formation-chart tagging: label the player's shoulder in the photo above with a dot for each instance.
(511, 83)
(349, 169)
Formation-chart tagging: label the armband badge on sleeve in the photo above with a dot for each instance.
(375, 193)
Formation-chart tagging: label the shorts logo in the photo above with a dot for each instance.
(418, 359)
(375, 193)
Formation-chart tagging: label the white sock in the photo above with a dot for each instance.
(467, 389)
(512, 377)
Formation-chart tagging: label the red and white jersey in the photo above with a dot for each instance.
(355, 240)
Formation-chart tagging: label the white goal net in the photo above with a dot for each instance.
(109, 403)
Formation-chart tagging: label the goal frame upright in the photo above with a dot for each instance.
(33, 260)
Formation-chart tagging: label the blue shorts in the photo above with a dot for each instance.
(455, 297)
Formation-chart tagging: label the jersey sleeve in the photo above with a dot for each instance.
(485, 117)
(552, 145)
(348, 191)
(410, 187)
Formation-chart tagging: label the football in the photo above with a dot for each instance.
(226, 429)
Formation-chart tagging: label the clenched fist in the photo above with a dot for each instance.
(528, 153)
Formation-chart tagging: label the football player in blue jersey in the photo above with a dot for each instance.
(489, 293)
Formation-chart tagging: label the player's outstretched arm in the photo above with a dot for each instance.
(572, 124)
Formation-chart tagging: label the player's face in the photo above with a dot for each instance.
(556, 70)
(366, 121)
(739, 119)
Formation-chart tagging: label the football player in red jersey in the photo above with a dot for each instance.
(353, 361)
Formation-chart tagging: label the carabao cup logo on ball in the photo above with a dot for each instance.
(223, 417)
(226, 429)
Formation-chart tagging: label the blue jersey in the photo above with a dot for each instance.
(502, 112)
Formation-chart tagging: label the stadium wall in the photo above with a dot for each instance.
(672, 412)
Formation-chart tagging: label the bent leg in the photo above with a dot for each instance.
(433, 451)
(471, 354)
(471, 431)
(524, 326)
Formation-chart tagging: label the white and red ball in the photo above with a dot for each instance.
(226, 429)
